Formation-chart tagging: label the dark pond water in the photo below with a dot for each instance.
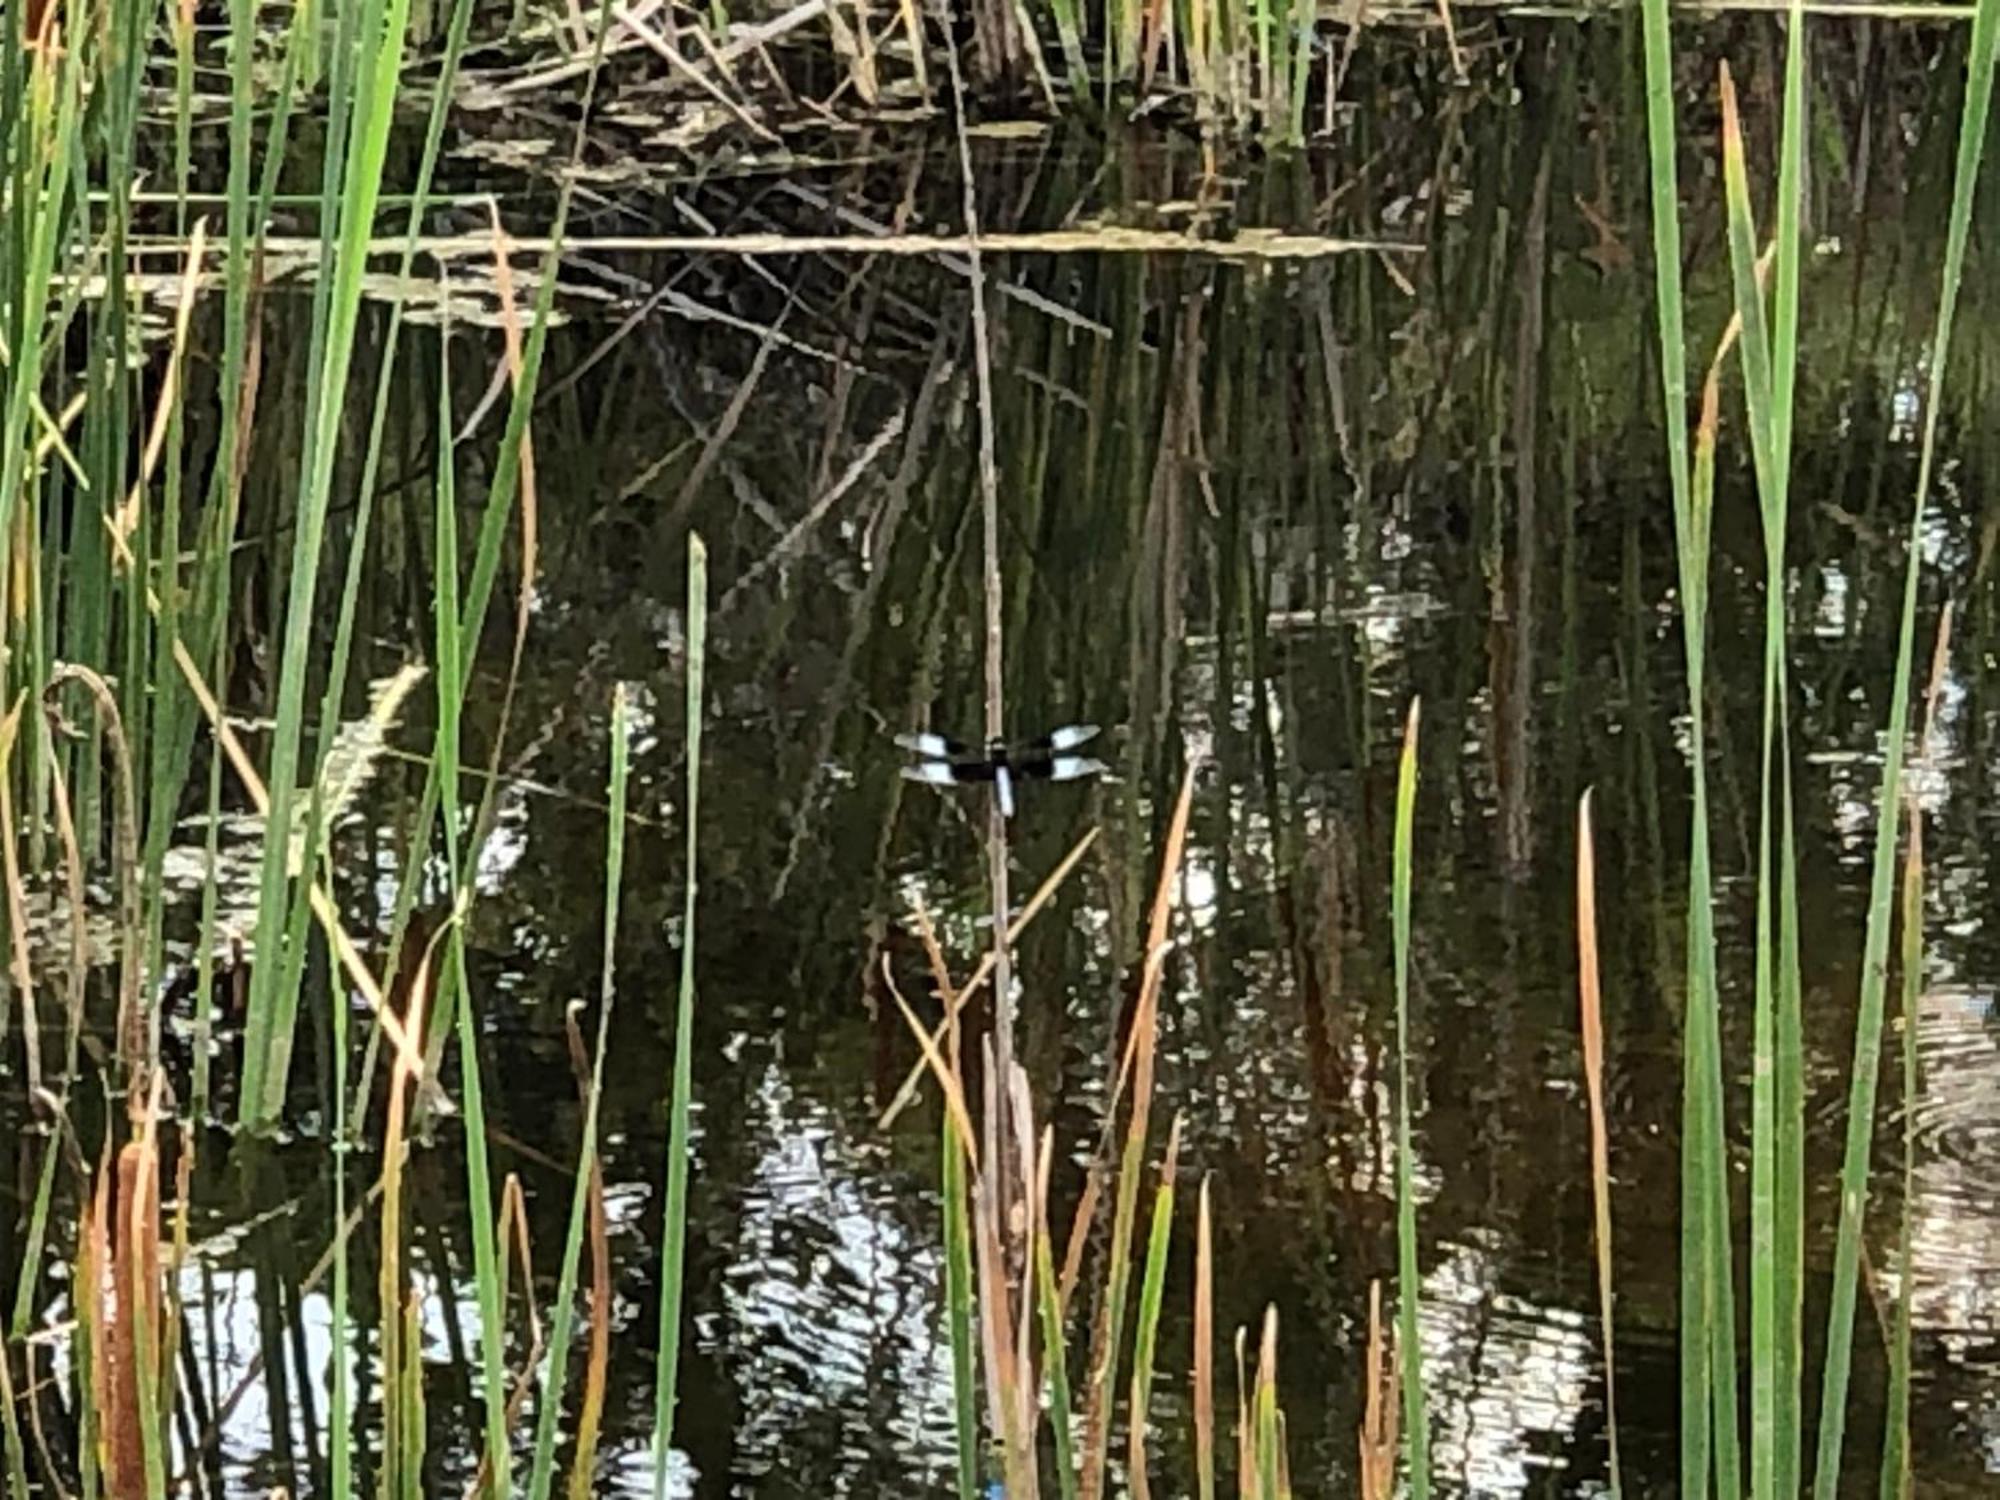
(1249, 511)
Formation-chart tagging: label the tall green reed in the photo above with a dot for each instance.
(542, 1473)
(673, 1228)
(377, 66)
(1769, 356)
(958, 1286)
(1985, 38)
(452, 646)
(1704, 1257)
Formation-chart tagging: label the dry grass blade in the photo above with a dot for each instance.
(1246, 1474)
(135, 1287)
(96, 1318)
(126, 1233)
(1247, 245)
(1079, 1232)
(407, 1068)
(1032, 1175)
(165, 403)
(590, 1416)
(1140, 1055)
(948, 1080)
(1593, 1080)
(1940, 661)
(133, 1027)
(955, 1002)
(1380, 1377)
(524, 594)
(511, 1233)
(1011, 1391)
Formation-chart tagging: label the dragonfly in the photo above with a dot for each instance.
(944, 761)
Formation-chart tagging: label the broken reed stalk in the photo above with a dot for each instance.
(1378, 1434)
(121, 1311)
(999, 1129)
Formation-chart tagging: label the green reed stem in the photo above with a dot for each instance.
(1055, 1355)
(504, 487)
(340, 1414)
(1896, 1476)
(1875, 949)
(452, 647)
(273, 1004)
(542, 1475)
(1704, 1296)
(1152, 1292)
(674, 1229)
(958, 1310)
(1767, 359)
(10, 1428)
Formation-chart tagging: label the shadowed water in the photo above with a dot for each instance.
(1249, 511)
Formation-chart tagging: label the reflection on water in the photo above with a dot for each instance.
(1250, 511)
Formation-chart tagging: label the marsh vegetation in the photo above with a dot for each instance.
(483, 487)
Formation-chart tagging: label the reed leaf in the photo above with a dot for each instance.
(454, 997)
(1152, 1288)
(1049, 1302)
(273, 1004)
(1775, 1286)
(1592, 1001)
(674, 1228)
(1140, 1050)
(1408, 1282)
(1204, 1348)
(1701, 1237)
(541, 1476)
(958, 1308)
(1896, 1476)
(1862, 1076)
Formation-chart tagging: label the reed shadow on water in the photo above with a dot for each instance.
(455, 561)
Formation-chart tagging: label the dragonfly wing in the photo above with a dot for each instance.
(1072, 767)
(937, 746)
(1066, 738)
(950, 772)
